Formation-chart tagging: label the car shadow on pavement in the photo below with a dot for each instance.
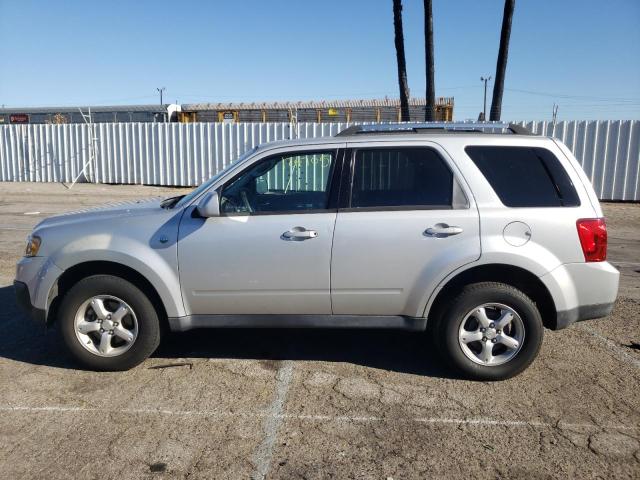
(26, 341)
(395, 350)
(405, 352)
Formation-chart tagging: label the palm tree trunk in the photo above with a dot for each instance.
(402, 63)
(501, 67)
(430, 112)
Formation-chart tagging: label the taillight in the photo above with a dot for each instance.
(593, 238)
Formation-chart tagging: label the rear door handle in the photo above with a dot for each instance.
(299, 234)
(442, 230)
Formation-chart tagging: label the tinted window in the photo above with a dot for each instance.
(525, 176)
(280, 184)
(401, 177)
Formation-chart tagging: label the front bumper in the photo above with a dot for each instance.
(23, 299)
(36, 285)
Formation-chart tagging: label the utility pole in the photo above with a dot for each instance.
(501, 65)
(430, 110)
(401, 61)
(555, 113)
(484, 112)
(160, 90)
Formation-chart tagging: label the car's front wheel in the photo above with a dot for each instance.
(490, 331)
(108, 323)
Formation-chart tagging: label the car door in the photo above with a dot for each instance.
(269, 251)
(406, 221)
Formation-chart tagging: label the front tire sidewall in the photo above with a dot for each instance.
(148, 337)
(474, 296)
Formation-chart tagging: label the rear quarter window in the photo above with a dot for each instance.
(525, 176)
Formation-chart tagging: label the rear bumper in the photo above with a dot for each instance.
(582, 291)
(585, 312)
(23, 299)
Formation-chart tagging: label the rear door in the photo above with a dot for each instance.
(406, 220)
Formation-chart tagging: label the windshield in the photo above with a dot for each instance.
(204, 186)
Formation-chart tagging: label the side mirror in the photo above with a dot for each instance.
(209, 206)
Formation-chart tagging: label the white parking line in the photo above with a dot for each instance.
(613, 347)
(17, 228)
(263, 454)
(274, 419)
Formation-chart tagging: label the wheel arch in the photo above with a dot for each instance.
(518, 277)
(77, 272)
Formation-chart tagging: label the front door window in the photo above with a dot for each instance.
(280, 184)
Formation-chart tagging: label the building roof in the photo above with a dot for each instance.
(379, 102)
(194, 107)
(85, 109)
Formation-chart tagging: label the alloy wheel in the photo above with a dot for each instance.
(106, 326)
(491, 334)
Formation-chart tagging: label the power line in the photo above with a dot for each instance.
(575, 97)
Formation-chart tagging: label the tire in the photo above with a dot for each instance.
(131, 340)
(515, 347)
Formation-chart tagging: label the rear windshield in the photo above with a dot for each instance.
(525, 176)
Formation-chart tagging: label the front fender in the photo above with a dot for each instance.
(162, 274)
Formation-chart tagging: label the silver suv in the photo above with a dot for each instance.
(481, 239)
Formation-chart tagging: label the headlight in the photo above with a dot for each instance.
(33, 246)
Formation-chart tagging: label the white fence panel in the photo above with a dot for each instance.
(608, 150)
(187, 154)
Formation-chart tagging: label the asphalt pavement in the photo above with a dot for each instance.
(313, 404)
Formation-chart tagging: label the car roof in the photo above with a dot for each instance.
(462, 132)
(439, 137)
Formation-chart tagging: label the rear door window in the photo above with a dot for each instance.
(406, 177)
(525, 176)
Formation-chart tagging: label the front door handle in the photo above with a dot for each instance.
(442, 230)
(299, 234)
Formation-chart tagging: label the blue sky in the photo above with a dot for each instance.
(583, 55)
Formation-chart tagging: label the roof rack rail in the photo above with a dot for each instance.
(435, 127)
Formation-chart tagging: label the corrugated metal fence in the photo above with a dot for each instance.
(187, 154)
(609, 152)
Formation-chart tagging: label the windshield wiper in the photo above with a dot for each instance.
(171, 201)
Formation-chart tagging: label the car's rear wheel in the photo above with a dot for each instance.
(108, 323)
(490, 331)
